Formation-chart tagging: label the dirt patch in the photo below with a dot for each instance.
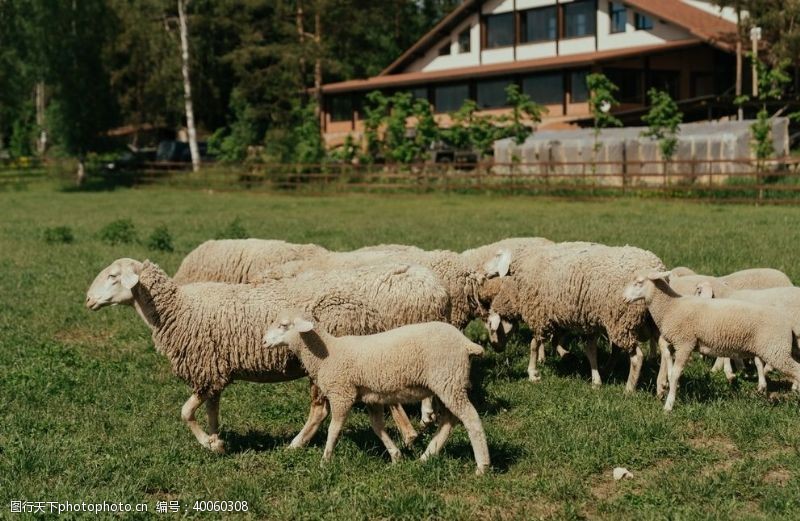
(724, 448)
(778, 476)
(604, 488)
(81, 336)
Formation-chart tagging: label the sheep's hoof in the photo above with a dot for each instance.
(534, 377)
(481, 470)
(762, 389)
(596, 384)
(216, 444)
(660, 393)
(427, 420)
(396, 456)
(408, 440)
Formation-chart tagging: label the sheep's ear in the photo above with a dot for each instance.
(494, 321)
(705, 290)
(303, 325)
(499, 264)
(656, 275)
(129, 279)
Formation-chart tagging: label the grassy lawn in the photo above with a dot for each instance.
(90, 412)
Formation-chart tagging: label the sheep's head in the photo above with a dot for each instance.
(286, 329)
(704, 289)
(498, 330)
(499, 265)
(643, 286)
(682, 271)
(114, 284)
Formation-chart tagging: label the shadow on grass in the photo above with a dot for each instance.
(256, 441)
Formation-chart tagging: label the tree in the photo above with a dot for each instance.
(663, 120)
(525, 114)
(187, 84)
(601, 102)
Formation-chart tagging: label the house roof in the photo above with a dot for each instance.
(498, 69)
(702, 24)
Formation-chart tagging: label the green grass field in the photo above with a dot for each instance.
(90, 412)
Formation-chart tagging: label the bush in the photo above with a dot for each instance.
(160, 239)
(234, 230)
(121, 231)
(59, 235)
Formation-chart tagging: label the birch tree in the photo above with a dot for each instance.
(187, 84)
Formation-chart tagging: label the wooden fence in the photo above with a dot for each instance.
(742, 180)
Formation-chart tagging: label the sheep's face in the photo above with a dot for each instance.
(643, 286)
(498, 330)
(285, 331)
(114, 284)
(704, 289)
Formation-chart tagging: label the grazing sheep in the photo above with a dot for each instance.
(211, 332)
(717, 327)
(753, 278)
(240, 261)
(578, 287)
(403, 365)
(502, 257)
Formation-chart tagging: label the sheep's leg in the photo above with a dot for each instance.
(463, 409)
(560, 351)
(591, 353)
(187, 415)
(682, 356)
(339, 410)
(719, 364)
(316, 415)
(662, 379)
(426, 412)
(446, 423)
(789, 367)
(637, 357)
(729, 374)
(540, 356)
(739, 363)
(212, 410)
(762, 378)
(403, 424)
(533, 373)
(378, 426)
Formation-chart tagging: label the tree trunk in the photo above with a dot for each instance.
(187, 85)
(301, 35)
(740, 112)
(80, 174)
(41, 140)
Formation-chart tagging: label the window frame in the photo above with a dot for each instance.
(446, 49)
(621, 9)
(563, 28)
(436, 108)
(639, 19)
(506, 80)
(552, 73)
(332, 112)
(485, 24)
(460, 41)
(523, 24)
(572, 74)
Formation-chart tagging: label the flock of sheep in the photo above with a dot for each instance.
(382, 324)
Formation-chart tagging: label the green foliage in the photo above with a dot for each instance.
(160, 239)
(234, 230)
(762, 135)
(773, 80)
(58, 235)
(663, 120)
(120, 231)
(602, 95)
(525, 114)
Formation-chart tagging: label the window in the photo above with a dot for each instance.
(619, 17)
(579, 19)
(547, 88)
(668, 81)
(642, 22)
(341, 108)
(492, 93)
(629, 82)
(703, 84)
(578, 89)
(449, 98)
(444, 50)
(464, 41)
(419, 93)
(539, 25)
(499, 30)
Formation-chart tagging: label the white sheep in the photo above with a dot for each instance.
(578, 287)
(714, 326)
(403, 365)
(211, 332)
(240, 261)
(752, 278)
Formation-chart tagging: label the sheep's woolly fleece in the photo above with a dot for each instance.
(577, 286)
(515, 248)
(753, 278)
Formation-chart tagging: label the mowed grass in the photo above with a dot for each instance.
(90, 412)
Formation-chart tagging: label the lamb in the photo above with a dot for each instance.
(240, 261)
(578, 286)
(753, 278)
(211, 332)
(398, 366)
(714, 326)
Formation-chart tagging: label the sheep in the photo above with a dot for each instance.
(713, 326)
(501, 258)
(211, 332)
(239, 261)
(397, 366)
(753, 278)
(578, 286)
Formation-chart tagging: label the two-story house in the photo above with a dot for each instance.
(548, 47)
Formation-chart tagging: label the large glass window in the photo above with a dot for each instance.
(578, 89)
(539, 25)
(499, 30)
(579, 19)
(619, 17)
(642, 22)
(492, 93)
(449, 98)
(464, 41)
(546, 88)
(629, 82)
(341, 108)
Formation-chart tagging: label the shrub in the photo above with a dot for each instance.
(121, 231)
(160, 239)
(234, 230)
(58, 235)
